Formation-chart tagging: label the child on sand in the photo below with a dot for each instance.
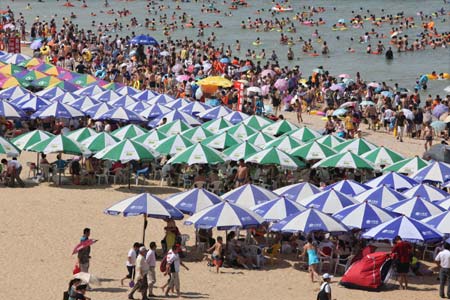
(216, 257)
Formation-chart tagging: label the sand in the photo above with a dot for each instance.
(41, 224)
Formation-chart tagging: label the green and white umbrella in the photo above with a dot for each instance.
(216, 125)
(285, 143)
(151, 138)
(8, 148)
(260, 139)
(280, 127)
(241, 131)
(173, 144)
(382, 156)
(60, 143)
(126, 151)
(241, 151)
(28, 139)
(221, 141)
(358, 146)
(257, 122)
(81, 134)
(198, 154)
(99, 141)
(312, 151)
(346, 160)
(274, 156)
(174, 127)
(407, 166)
(128, 132)
(197, 134)
(330, 140)
(304, 134)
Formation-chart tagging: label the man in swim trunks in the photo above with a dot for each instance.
(242, 174)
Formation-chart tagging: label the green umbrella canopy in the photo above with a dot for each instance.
(345, 160)
(407, 166)
(128, 132)
(197, 134)
(304, 134)
(126, 151)
(30, 138)
(382, 156)
(215, 126)
(312, 151)
(151, 138)
(241, 151)
(81, 134)
(330, 140)
(241, 131)
(285, 143)
(173, 145)
(198, 154)
(257, 122)
(174, 127)
(280, 127)
(100, 141)
(221, 141)
(274, 156)
(60, 143)
(8, 148)
(260, 139)
(358, 146)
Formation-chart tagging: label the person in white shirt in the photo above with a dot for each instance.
(140, 275)
(131, 262)
(173, 266)
(151, 261)
(443, 262)
(13, 169)
(325, 288)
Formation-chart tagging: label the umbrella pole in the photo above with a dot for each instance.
(143, 231)
(129, 176)
(37, 162)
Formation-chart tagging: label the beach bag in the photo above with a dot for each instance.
(163, 265)
(322, 295)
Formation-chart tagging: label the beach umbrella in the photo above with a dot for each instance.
(285, 143)
(240, 151)
(9, 82)
(225, 216)
(381, 196)
(128, 132)
(84, 80)
(307, 221)
(155, 111)
(194, 108)
(45, 81)
(126, 90)
(122, 101)
(99, 141)
(409, 229)
(281, 84)
(438, 126)
(408, 114)
(197, 134)
(312, 151)
(240, 131)
(143, 39)
(59, 143)
(97, 110)
(444, 203)
(363, 216)
(30, 75)
(111, 96)
(194, 200)
(175, 115)
(178, 103)
(10, 111)
(30, 138)
(439, 110)
(275, 156)
(90, 90)
(82, 245)
(358, 146)
(257, 122)
(236, 117)
(277, 209)
(145, 95)
(160, 99)
(217, 125)
(121, 114)
(13, 92)
(11, 69)
(215, 113)
(8, 148)
(50, 93)
(215, 81)
(337, 87)
(382, 156)
(221, 140)
(440, 222)
(83, 103)
(435, 172)
(304, 134)
(427, 192)
(416, 207)
(183, 77)
(174, 127)
(138, 107)
(393, 180)
(67, 97)
(15, 58)
(67, 86)
(407, 166)
(58, 110)
(151, 138)
(267, 72)
(198, 154)
(280, 127)
(126, 151)
(32, 63)
(367, 103)
(298, 191)
(114, 86)
(348, 187)
(329, 201)
(260, 139)
(345, 160)
(339, 112)
(173, 145)
(249, 195)
(81, 134)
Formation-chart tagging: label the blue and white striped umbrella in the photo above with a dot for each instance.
(127, 90)
(145, 204)
(407, 228)
(194, 108)
(138, 106)
(224, 216)
(178, 103)
(97, 110)
(160, 99)
(33, 104)
(393, 180)
(58, 110)
(435, 172)
(363, 216)
(122, 115)
(249, 195)
(236, 117)
(308, 221)
(298, 191)
(90, 90)
(440, 222)
(381, 196)
(329, 201)
(9, 110)
(107, 96)
(215, 113)
(122, 101)
(194, 200)
(16, 58)
(417, 208)
(21, 99)
(83, 103)
(66, 98)
(444, 203)
(277, 209)
(426, 191)
(175, 115)
(155, 111)
(145, 95)
(13, 92)
(348, 187)
(51, 92)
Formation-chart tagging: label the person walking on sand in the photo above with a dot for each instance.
(443, 262)
(402, 253)
(428, 135)
(400, 124)
(173, 266)
(313, 258)
(298, 110)
(217, 257)
(151, 261)
(325, 288)
(140, 275)
(242, 174)
(131, 262)
(84, 254)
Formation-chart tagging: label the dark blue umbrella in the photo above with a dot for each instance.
(144, 40)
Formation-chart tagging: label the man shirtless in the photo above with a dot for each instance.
(217, 255)
(242, 174)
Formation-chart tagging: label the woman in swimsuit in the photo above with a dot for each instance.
(313, 259)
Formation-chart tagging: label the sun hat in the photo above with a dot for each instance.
(327, 276)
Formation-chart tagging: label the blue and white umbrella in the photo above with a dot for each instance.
(308, 221)
(145, 204)
(122, 101)
(174, 116)
(393, 180)
(143, 39)
(51, 92)
(407, 228)
(225, 216)
(66, 98)
(381, 196)
(58, 110)
(107, 96)
(426, 191)
(178, 103)
(236, 117)
(194, 108)
(122, 115)
(348, 187)
(138, 106)
(435, 172)
(215, 113)
(160, 99)
(417, 208)
(90, 90)
(249, 195)
(16, 58)
(277, 209)
(444, 203)
(194, 200)
(83, 103)
(155, 111)
(33, 104)
(363, 216)
(127, 90)
(13, 92)
(21, 99)
(298, 191)
(440, 222)
(329, 201)
(8, 110)
(97, 110)
(145, 95)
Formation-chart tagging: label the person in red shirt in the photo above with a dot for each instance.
(402, 251)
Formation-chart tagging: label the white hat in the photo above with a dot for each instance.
(327, 276)
(142, 249)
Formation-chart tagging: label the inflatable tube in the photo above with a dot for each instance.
(256, 44)
(87, 55)
(282, 9)
(375, 53)
(45, 50)
(446, 75)
(100, 74)
(68, 4)
(314, 54)
(232, 7)
(339, 29)
(320, 113)
(432, 77)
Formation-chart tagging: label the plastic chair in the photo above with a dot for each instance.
(104, 175)
(142, 172)
(273, 252)
(326, 260)
(257, 253)
(199, 184)
(118, 175)
(343, 262)
(216, 187)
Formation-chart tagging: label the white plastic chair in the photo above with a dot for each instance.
(344, 263)
(216, 187)
(326, 260)
(104, 175)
